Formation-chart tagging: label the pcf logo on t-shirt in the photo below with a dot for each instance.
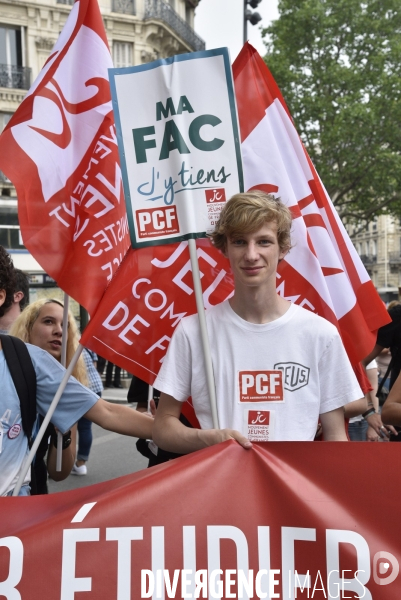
(261, 386)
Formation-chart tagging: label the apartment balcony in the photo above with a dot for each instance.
(15, 77)
(368, 260)
(158, 9)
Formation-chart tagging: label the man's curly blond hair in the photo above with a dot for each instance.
(248, 212)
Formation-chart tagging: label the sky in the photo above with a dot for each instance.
(220, 23)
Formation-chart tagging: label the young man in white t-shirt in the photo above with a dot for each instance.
(278, 368)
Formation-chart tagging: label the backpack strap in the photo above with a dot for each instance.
(23, 375)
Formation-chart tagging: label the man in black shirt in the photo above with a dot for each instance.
(389, 336)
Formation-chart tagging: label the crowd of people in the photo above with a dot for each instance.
(281, 372)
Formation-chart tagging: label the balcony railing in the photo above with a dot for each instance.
(15, 77)
(70, 2)
(158, 9)
(368, 260)
(127, 7)
(394, 258)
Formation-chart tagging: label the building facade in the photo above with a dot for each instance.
(379, 246)
(138, 31)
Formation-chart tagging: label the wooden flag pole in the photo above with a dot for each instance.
(59, 456)
(46, 420)
(203, 330)
(150, 396)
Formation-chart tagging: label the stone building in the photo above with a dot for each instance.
(379, 246)
(138, 31)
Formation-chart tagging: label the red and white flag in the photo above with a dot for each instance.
(323, 271)
(60, 151)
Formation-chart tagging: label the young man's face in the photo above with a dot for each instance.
(254, 256)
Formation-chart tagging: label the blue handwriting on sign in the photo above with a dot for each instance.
(188, 181)
(149, 185)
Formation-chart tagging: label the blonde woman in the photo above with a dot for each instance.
(40, 325)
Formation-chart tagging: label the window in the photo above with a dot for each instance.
(374, 224)
(10, 235)
(367, 248)
(126, 7)
(188, 15)
(10, 46)
(374, 248)
(4, 119)
(13, 73)
(122, 54)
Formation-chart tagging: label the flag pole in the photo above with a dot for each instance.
(59, 456)
(150, 396)
(203, 330)
(46, 420)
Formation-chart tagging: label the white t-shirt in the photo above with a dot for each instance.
(75, 402)
(272, 380)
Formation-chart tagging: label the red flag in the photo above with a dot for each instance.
(60, 151)
(148, 296)
(323, 271)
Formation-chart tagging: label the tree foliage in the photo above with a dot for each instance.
(338, 65)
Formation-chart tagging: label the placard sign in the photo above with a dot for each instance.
(178, 138)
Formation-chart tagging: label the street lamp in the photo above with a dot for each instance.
(253, 17)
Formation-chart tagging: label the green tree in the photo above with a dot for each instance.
(338, 65)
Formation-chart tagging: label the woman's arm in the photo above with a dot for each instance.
(121, 419)
(68, 458)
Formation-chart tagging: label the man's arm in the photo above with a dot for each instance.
(170, 434)
(374, 354)
(391, 410)
(355, 408)
(376, 427)
(121, 419)
(333, 425)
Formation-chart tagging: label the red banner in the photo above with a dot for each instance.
(271, 515)
(60, 151)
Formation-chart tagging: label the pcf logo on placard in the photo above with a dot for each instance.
(261, 386)
(154, 222)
